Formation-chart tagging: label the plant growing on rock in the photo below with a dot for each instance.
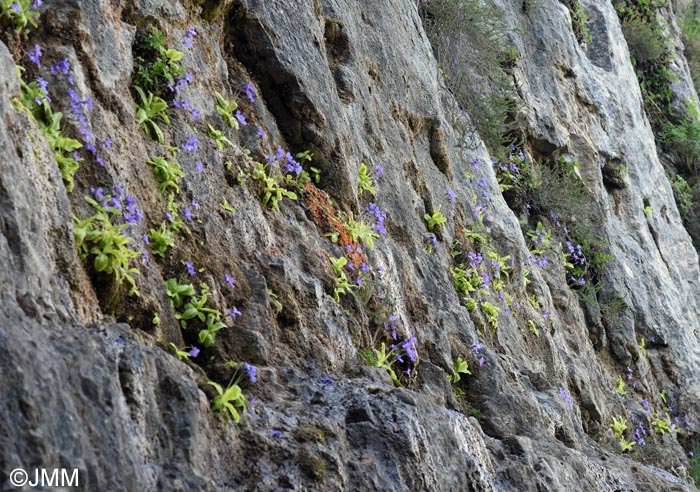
(147, 110)
(34, 98)
(381, 358)
(365, 181)
(227, 110)
(470, 42)
(360, 231)
(161, 239)
(177, 293)
(460, 367)
(158, 67)
(662, 426)
(20, 13)
(436, 219)
(231, 399)
(342, 283)
(533, 328)
(491, 313)
(96, 236)
(619, 426)
(190, 307)
(168, 173)
(219, 138)
(620, 386)
(272, 191)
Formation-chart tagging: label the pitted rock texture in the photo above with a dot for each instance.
(87, 382)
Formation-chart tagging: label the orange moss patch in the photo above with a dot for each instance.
(326, 219)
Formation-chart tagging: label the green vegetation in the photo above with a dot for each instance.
(360, 231)
(161, 239)
(620, 386)
(147, 110)
(491, 313)
(436, 219)
(20, 13)
(460, 367)
(191, 308)
(578, 20)
(34, 99)
(227, 110)
(97, 237)
(167, 173)
(651, 55)
(381, 358)
(230, 400)
(469, 39)
(365, 181)
(662, 426)
(219, 138)
(157, 67)
(272, 191)
(694, 465)
(342, 283)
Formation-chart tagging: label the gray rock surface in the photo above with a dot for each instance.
(86, 385)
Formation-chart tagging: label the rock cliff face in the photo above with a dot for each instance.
(89, 381)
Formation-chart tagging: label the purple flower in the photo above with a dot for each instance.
(196, 114)
(199, 166)
(261, 133)
(146, 239)
(188, 214)
(35, 55)
(379, 218)
(292, 165)
(409, 346)
(99, 194)
(481, 361)
(475, 163)
(451, 196)
(566, 397)
(108, 143)
(191, 145)
(378, 171)
(250, 92)
(252, 372)
(241, 118)
(230, 281)
(476, 346)
(194, 352)
(234, 312)
(195, 204)
(327, 380)
(275, 433)
(545, 314)
(15, 7)
(62, 66)
(190, 268)
(433, 241)
(645, 404)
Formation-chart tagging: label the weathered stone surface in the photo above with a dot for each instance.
(352, 81)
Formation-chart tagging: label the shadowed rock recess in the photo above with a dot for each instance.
(90, 375)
